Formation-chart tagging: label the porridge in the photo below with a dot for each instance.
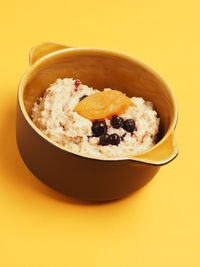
(94, 123)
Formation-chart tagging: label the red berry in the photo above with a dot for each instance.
(76, 83)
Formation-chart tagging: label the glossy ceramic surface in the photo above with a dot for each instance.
(74, 174)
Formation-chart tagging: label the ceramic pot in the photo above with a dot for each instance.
(74, 174)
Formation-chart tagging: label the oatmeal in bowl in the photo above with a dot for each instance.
(95, 123)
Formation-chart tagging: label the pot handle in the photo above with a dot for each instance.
(162, 153)
(44, 49)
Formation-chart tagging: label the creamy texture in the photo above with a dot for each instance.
(53, 114)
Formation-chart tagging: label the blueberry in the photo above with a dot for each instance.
(114, 139)
(104, 140)
(82, 97)
(129, 125)
(99, 128)
(117, 122)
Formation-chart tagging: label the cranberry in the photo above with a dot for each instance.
(76, 83)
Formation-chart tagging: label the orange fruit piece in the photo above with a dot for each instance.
(103, 105)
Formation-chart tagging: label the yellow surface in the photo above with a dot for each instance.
(159, 226)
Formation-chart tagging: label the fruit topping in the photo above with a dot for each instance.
(129, 125)
(99, 128)
(117, 122)
(114, 139)
(104, 140)
(122, 137)
(76, 84)
(103, 105)
(82, 97)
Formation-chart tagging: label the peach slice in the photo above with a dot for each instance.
(103, 105)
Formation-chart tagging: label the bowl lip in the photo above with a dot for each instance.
(32, 67)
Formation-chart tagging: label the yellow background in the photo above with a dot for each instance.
(158, 226)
